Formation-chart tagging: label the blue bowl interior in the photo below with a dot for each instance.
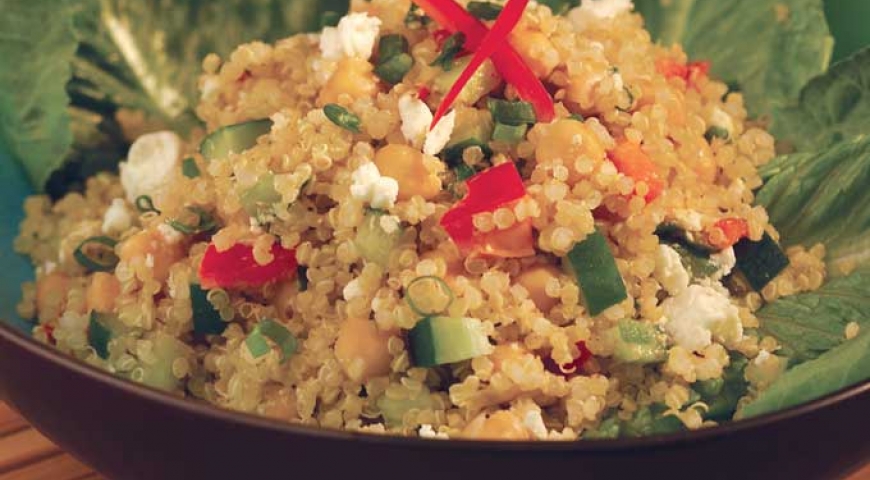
(16, 269)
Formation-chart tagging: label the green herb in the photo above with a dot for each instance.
(144, 204)
(302, 276)
(578, 117)
(206, 318)
(509, 133)
(429, 295)
(716, 132)
(99, 335)
(205, 222)
(451, 48)
(97, 254)
(560, 7)
(342, 117)
(330, 19)
(189, 168)
(484, 10)
(848, 364)
(511, 113)
(394, 62)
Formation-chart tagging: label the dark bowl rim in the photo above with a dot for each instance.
(13, 335)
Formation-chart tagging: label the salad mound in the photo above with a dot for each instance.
(486, 220)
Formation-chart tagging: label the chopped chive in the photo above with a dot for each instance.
(424, 301)
(97, 254)
(189, 168)
(509, 133)
(511, 113)
(484, 10)
(342, 117)
(452, 46)
(145, 204)
(302, 276)
(205, 222)
(394, 70)
(578, 117)
(99, 335)
(716, 132)
(329, 19)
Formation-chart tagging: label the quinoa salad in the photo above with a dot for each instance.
(472, 220)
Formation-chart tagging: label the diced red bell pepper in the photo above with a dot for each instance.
(691, 72)
(570, 368)
(236, 267)
(508, 62)
(735, 229)
(487, 191)
(630, 160)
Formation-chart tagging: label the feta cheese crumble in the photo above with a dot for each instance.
(725, 261)
(426, 431)
(354, 36)
(698, 314)
(416, 117)
(439, 136)
(372, 188)
(591, 10)
(117, 218)
(669, 271)
(153, 162)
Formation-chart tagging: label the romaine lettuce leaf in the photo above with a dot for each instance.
(832, 108)
(848, 364)
(823, 198)
(770, 48)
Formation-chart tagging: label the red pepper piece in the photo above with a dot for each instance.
(735, 229)
(508, 62)
(691, 72)
(423, 93)
(487, 191)
(236, 267)
(496, 37)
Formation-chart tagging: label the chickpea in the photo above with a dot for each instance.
(362, 351)
(501, 425)
(408, 166)
(149, 249)
(354, 77)
(51, 295)
(537, 51)
(102, 291)
(567, 140)
(535, 281)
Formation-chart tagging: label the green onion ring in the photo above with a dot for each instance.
(205, 222)
(105, 260)
(414, 304)
(145, 204)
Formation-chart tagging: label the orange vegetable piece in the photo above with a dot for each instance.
(632, 161)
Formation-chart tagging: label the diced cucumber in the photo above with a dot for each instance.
(471, 124)
(485, 80)
(594, 267)
(637, 342)
(99, 334)
(157, 372)
(509, 133)
(442, 340)
(759, 262)
(511, 113)
(258, 200)
(206, 319)
(373, 242)
(234, 138)
(394, 410)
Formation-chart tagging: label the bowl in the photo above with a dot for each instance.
(130, 432)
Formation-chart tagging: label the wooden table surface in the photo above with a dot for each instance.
(27, 455)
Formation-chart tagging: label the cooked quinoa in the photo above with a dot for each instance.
(352, 216)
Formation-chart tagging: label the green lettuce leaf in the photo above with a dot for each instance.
(810, 324)
(845, 365)
(848, 22)
(832, 108)
(36, 44)
(129, 54)
(823, 198)
(770, 48)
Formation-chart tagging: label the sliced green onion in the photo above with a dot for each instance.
(329, 19)
(716, 132)
(452, 46)
(509, 133)
(560, 7)
(452, 155)
(206, 318)
(429, 296)
(275, 332)
(189, 168)
(145, 204)
(302, 276)
(391, 45)
(511, 113)
(99, 335)
(393, 70)
(484, 10)
(97, 254)
(464, 172)
(342, 117)
(205, 222)
(578, 117)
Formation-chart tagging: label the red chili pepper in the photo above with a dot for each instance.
(236, 267)
(734, 229)
(508, 62)
(569, 368)
(492, 41)
(487, 191)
